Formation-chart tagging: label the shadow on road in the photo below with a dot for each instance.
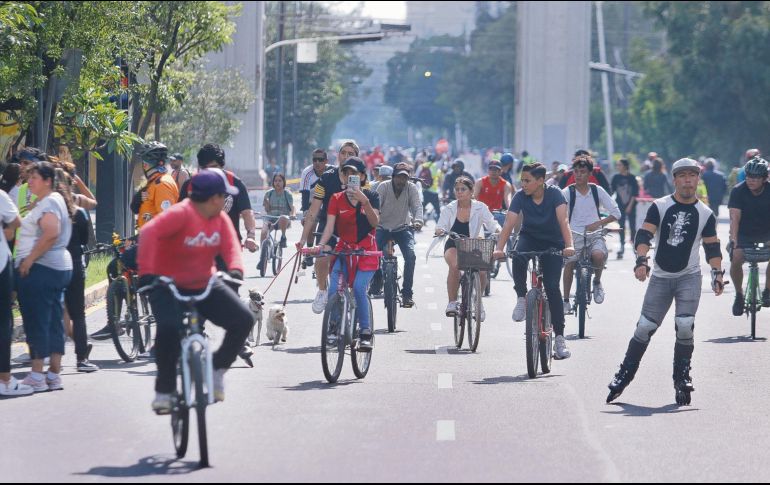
(319, 385)
(513, 379)
(577, 337)
(294, 302)
(302, 350)
(735, 340)
(451, 350)
(644, 411)
(148, 466)
(384, 331)
(120, 365)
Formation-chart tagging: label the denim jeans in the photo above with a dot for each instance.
(6, 317)
(551, 266)
(41, 300)
(360, 287)
(405, 241)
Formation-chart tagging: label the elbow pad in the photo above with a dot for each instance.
(712, 251)
(643, 237)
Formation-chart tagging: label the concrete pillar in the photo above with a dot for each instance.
(552, 90)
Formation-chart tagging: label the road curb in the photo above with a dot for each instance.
(92, 295)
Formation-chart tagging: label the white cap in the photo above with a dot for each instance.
(685, 164)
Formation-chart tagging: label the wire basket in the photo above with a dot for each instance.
(756, 255)
(475, 253)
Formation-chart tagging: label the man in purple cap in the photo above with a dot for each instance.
(182, 244)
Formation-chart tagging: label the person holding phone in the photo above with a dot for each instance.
(353, 215)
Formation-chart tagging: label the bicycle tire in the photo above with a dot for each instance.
(391, 298)
(201, 401)
(277, 259)
(180, 420)
(148, 319)
(361, 361)
(751, 295)
(125, 334)
(459, 319)
(263, 255)
(488, 287)
(546, 344)
(508, 260)
(582, 300)
(532, 332)
(333, 355)
(474, 312)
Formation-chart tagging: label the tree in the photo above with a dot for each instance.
(208, 114)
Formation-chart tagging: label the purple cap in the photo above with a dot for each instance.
(209, 182)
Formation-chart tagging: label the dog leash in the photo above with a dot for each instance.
(292, 259)
(291, 280)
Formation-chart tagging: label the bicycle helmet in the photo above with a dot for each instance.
(756, 167)
(153, 153)
(506, 159)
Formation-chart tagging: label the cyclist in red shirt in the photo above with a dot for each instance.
(353, 214)
(494, 191)
(182, 243)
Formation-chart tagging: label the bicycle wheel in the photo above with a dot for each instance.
(533, 331)
(391, 296)
(201, 401)
(546, 344)
(147, 320)
(751, 296)
(509, 261)
(264, 254)
(277, 259)
(581, 297)
(460, 315)
(121, 318)
(473, 315)
(333, 338)
(362, 360)
(180, 419)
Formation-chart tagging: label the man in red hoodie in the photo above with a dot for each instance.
(182, 244)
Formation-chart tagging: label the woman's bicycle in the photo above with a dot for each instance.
(340, 322)
(271, 248)
(473, 256)
(128, 313)
(584, 272)
(754, 254)
(195, 368)
(539, 331)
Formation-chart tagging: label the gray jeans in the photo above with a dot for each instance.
(662, 292)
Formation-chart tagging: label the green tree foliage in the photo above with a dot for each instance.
(708, 94)
(326, 90)
(208, 115)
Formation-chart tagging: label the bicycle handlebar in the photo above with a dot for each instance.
(355, 252)
(166, 282)
(552, 251)
(604, 231)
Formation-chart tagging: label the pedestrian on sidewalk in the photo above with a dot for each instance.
(44, 270)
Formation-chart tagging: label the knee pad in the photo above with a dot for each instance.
(685, 326)
(645, 329)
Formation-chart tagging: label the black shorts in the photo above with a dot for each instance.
(449, 244)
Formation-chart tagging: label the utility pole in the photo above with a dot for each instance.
(260, 86)
(279, 141)
(294, 97)
(605, 83)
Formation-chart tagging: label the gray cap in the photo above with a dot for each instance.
(386, 171)
(685, 164)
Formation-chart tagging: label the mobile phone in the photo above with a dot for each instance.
(354, 183)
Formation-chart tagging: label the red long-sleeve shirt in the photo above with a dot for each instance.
(181, 244)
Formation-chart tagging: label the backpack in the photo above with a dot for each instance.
(572, 193)
(426, 176)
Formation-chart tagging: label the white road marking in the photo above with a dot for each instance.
(435, 326)
(432, 306)
(427, 276)
(445, 381)
(440, 349)
(430, 289)
(445, 430)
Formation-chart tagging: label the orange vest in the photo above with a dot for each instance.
(492, 195)
(162, 193)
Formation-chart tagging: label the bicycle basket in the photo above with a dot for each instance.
(475, 254)
(756, 255)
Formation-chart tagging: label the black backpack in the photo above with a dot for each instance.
(594, 192)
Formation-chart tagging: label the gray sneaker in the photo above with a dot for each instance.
(319, 304)
(598, 293)
(561, 351)
(520, 312)
(162, 404)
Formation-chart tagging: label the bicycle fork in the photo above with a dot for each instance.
(208, 369)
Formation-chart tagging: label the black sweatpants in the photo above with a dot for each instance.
(222, 307)
(6, 317)
(75, 301)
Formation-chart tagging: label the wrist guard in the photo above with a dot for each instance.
(643, 237)
(712, 251)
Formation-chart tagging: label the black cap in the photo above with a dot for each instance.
(356, 163)
(495, 164)
(177, 156)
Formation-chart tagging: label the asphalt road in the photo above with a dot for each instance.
(425, 412)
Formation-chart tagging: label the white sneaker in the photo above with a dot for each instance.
(451, 308)
(598, 293)
(520, 312)
(567, 308)
(162, 404)
(319, 304)
(15, 388)
(562, 352)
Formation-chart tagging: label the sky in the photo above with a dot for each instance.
(382, 10)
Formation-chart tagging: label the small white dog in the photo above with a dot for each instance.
(256, 303)
(277, 325)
